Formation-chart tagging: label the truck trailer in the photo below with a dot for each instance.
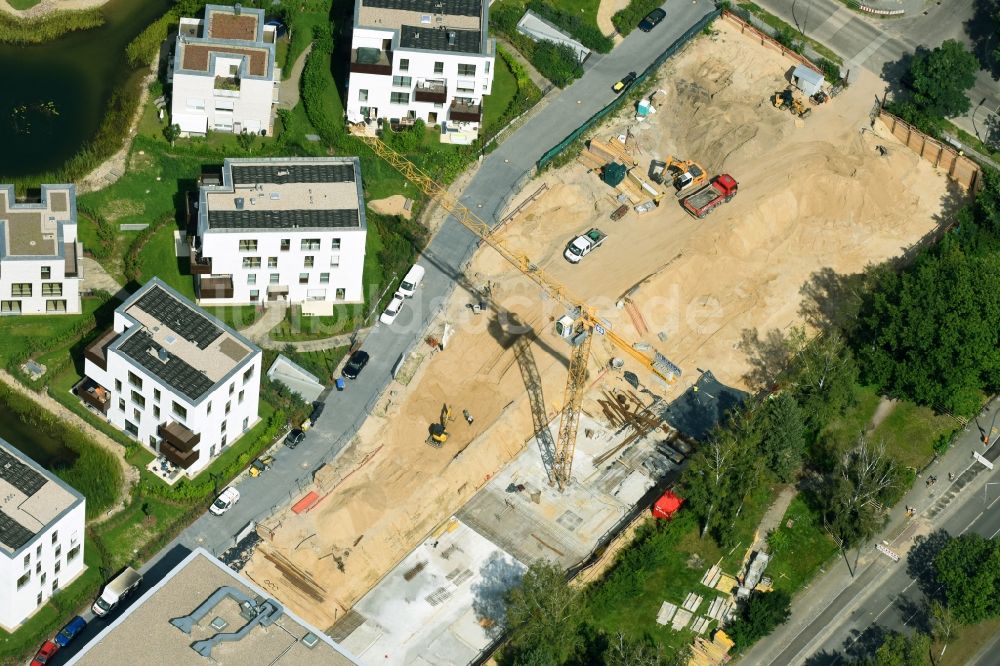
(721, 190)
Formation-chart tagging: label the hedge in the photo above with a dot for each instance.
(527, 95)
(556, 62)
(626, 20)
(15, 30)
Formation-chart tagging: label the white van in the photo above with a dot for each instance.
(120, 587)
(411, 280)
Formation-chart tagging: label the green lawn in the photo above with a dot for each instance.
(909, 433)
(502, 94)
(144, 521)
(843, 432)
(23, 4)
(587, 9)
(321, 363)
(158, 258)
(800, 550)
(27, 333)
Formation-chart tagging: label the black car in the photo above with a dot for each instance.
(626, 81)
(652, 19)
(294, 438)
(317, 410)
(355, 364)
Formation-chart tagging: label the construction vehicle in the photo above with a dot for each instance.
(586, 323)
(439, 430)
(584, 244)
(683, 174)
(721, 190)
(787, 101)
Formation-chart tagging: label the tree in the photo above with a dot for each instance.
(940, 78)
(783, 439)
(969, 569)
(761, 614)
(823, 376)
(543, 614)
(246, 141)
(854, 495)
(625, 651)
(943, 624)
(171, 133)
(899, 650)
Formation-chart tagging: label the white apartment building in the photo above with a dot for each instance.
(173, 377)
(281, 229)
(41, 536)
(40, 267)
(428, 59)
(223, 73)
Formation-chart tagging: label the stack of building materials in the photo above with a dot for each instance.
(711, 653)
(681, 619)
(712, 576)
(692, 601)
(666, 613)
(721, 609)
(700, 625)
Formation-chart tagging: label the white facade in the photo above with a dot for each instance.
(186, 388)
(41, 543)
(429, 65)
(224, 78)
(40, 267)
(282, 229)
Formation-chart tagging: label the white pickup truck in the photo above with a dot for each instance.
(583, 245)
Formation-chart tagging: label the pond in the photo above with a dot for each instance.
(54, 94)
(44, 449)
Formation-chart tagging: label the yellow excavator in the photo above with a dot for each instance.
(785, 100)
(683, 174)
(439, 431)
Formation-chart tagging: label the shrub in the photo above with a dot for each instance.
(831, 70)
(142, 50)
(626, 20)
(15, 30)
(587, 33)
(556, 62)
(504, 18)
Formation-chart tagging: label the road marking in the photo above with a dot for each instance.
(862, 56)
(970, 524)
(995, 533)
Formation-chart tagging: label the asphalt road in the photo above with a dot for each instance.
(885, 596)
(499, 175)
(879, 44)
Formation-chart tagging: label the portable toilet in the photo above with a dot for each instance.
(809, 81)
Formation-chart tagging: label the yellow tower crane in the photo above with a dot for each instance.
(586, 322)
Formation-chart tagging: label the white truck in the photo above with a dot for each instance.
(583, 245)
(120, 587)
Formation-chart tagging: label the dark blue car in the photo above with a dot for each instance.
(70, 631)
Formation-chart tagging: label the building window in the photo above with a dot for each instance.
(251, 278)
(273, 279)
(131, 428)
(394, 98)
(156, 395)
(334, 260)
(10, 306)
(156, 412)
(439, 68)
(248, 375)
(362, 95)
(137, 415)
(222, 442)
(72, 554)
(38, 599)
(239, 400)
(58, 567)
(303, 278)
(487, 66)
(466, 70)
(324, 278)
(46, 272)
(222, 428)
(229, 406)
(232, 388)
(401, 82)
(272, 262)
(309, 244)
(138, 399)
(121, 404)
(55, 537)
(55, 585)
(246, 422)
(23, 580)
(179, 411)
(135, 380)
(251, 262)
(286, 244)
(52, 289)
(341, 293)
(255, 294)
(118, 386)
(55, 306)
(248, 245)
(27, 560)
(465, 90)
(334, 243)
(57, 553)
(404, 65)
(308, 261)
(20, 289)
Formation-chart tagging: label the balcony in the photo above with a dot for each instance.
(215, 287)
(227, 86)
(97, 351)
(178, 436)
(371, 61)
(462, 112)
(72, 266)
(94, 395)
(200, 265)
(431, 91)
(183, 459)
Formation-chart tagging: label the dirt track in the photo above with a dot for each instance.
(813, 194)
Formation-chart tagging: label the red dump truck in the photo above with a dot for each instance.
(704, 201)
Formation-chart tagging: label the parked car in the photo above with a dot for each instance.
(355, 364)
(411, 280)
(70, 631)
(317, 410)
(625, 82)
(392, 310)
(225, 501)
(652, 19)
(294, 438)
(45, 653)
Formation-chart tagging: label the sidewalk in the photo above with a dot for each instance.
(835, 593)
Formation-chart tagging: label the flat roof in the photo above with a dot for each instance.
(417, 19)
(144, 633)
(179, 343)
(33, 229)
(225, 32)
(427, 37)
(225, 23)
(285, 193)
(31, 498)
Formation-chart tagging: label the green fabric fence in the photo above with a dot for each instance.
(550, 154)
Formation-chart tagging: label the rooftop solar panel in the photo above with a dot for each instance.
(181, 318)
(12, 533)
(284, 219)
(174, 372)
(432, 39)
(20, 475)
(452, 7)
(249, 174)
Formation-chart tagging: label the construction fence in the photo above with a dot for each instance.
(746, 21)
(959, 168)
(551, 153)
